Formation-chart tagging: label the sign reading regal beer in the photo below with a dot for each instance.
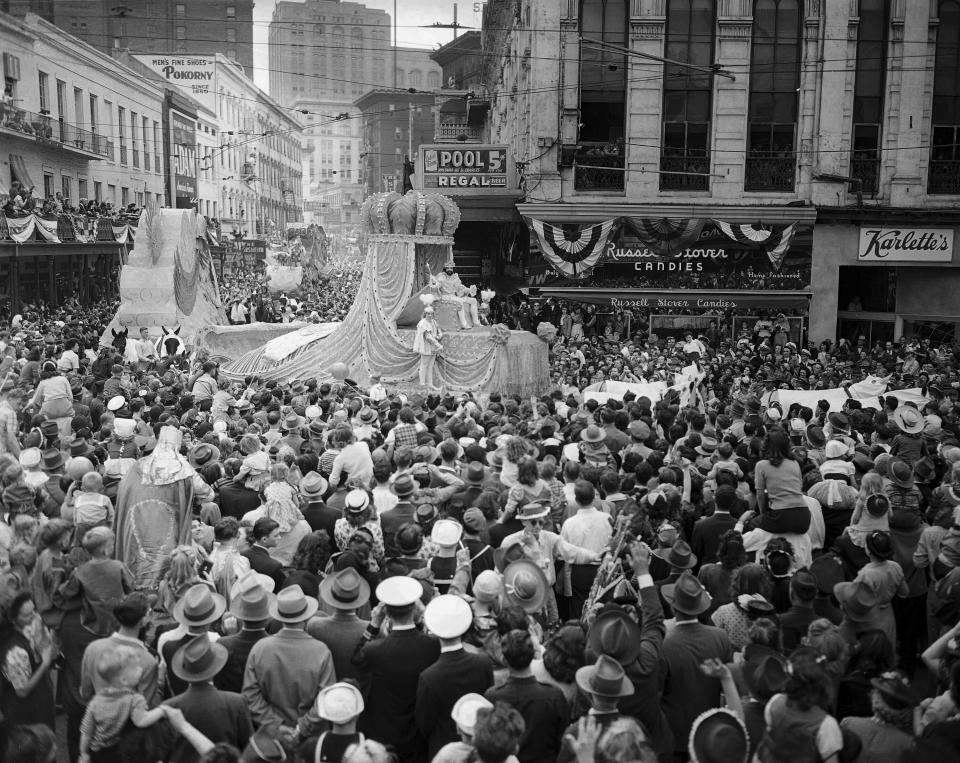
(195, 76)
(466, 169)
(895, 244)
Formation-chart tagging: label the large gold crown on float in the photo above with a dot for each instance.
(413, 214)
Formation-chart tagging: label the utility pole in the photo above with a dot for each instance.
(394, 44)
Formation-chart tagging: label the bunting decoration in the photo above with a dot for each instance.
(744, 234)
(779, 251)
(774, 243)
(667, 235)
(26, 228)
(573, 255)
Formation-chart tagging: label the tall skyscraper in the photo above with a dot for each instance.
(153, 26)
(324, 55)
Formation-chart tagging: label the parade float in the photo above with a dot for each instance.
(407, 241)
(169, 279)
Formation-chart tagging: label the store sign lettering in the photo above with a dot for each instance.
(878, 244)
(620, 254)
(469, 170)
(682, 304)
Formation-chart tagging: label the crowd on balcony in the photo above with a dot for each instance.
(23, 201)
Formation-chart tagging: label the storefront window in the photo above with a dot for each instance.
(867, 289)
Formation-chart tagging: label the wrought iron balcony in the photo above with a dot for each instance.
(685, 173)
(867, 170)
(944, 176)
(458, 132)
(45, 130)
(770, 173)
(590, 163)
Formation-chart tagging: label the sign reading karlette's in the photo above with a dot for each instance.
(896, 244)
(194, 75)
(465, 170)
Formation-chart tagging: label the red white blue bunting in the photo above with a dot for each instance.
(573, 254)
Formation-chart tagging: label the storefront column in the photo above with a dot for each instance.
(733, 53)
(15, 281)
(644, 99)
(897, 328)
(51, 281)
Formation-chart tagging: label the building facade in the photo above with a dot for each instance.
(736, 124)
(324, 54)
(395, 123)
(80, 124)
(153, 26)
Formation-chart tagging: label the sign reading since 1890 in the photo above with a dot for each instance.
(878, 244)
(465, 169)
(194, 75)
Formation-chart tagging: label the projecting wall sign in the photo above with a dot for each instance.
(466, 170)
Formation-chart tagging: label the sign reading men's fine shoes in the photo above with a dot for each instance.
(194, 75)
(466, 170)
(879, 244)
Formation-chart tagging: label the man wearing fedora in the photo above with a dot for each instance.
(395, 663)
(687, 646)
(545, 548)
(604, 684)
(405, 488)
(221, 716)
(344, 592)
(638, 649)
(198, 609)
(250, 600)
(456, 672)
(319, 516)
(287, 670)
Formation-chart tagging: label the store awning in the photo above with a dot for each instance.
(679, 299)
(18, 168)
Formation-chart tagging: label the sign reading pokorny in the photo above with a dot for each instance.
(194, 75)
(896, 244)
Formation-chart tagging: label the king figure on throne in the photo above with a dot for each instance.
(451, 289)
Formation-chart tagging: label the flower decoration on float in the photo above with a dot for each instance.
(547, 332)
(500, 334)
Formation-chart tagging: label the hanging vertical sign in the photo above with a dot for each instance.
(183, 153)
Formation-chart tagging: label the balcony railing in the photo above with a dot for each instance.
(685, 173)
(45, 130)
(590, 163)
(454, 132)
(769, 173)
(867, 170)
(944, 176)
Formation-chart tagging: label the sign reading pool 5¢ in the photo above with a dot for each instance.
(466, 170)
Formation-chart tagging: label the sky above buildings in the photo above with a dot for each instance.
(411, 16)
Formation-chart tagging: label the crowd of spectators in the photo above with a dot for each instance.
(224, 570)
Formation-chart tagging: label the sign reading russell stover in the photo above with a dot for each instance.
(466, 169)
(898, 244)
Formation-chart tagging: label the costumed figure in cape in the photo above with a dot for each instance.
(427, 342)
(155, 509)
(451, 289)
